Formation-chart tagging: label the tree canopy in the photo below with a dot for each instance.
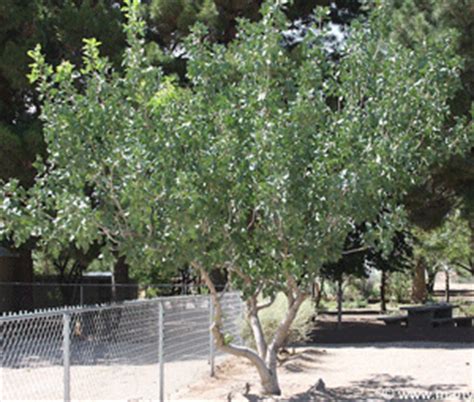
(60, 26)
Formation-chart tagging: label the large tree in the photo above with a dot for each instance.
(60, 26)
(262, 165)
(450, 185)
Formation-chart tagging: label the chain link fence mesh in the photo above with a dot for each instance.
(113, 350)
(32, 359)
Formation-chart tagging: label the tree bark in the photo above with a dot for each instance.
(446, 272)
(383, 283)
(339, 303)
(319, 293)
(431, 282)
(255, 325)
(121, 276)
(419, 282)
(471, 226)
(24, 273)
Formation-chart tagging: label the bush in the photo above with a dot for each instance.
(466, 309)
(271, 317)
(399, 287)
(358, 289)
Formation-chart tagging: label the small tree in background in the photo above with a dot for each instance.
(447, 247)
(399, 259)
(263, 165)
(351, 263)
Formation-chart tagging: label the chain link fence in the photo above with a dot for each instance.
(137, 350)
(18, 296)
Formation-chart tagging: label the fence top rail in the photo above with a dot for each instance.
(51, 312)
(85, 284)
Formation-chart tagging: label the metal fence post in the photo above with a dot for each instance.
(211, 338)
(66, 356)
(160, 351)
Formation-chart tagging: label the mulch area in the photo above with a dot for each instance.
(360, 328)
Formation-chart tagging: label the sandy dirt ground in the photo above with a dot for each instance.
(344, 372)
(101, 383)
(347, 372)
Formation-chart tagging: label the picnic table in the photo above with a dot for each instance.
(430, 315)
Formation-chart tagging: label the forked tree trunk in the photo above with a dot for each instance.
(265, 357)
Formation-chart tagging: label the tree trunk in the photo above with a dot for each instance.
(446, 272)
(471, 226)
(121, 276)
(271, 385)
(265, 358)
(419, 282)
(258, 336)
(339, 302)
(24, 273)
(319, 294)
(431, 282)
(383, 283)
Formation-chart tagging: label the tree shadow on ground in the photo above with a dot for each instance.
(298, 362)
(381, 387)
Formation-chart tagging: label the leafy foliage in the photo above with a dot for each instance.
(448, 245)
(252, 165)
(452, 182)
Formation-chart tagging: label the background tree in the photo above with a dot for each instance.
(450, 185)
(351, 263)
(400, 258)
(59, 27)
(446, 248)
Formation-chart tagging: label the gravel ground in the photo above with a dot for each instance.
(384, 371)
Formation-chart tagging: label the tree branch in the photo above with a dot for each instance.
(355, 250)
(468, 268)
(219, 338)
(256, 326)
(282, 331)
(266, 304)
